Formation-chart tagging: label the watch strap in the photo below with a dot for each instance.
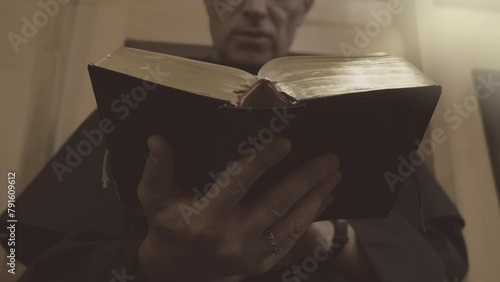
(340, 238)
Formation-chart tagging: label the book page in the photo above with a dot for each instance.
(211, 80)
(309, 77)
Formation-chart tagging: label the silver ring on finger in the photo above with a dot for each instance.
(271, 241)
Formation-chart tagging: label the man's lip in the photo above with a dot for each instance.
(252, 34)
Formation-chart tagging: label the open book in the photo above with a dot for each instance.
(369, 110)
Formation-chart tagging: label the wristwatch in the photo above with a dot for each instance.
(340, 238)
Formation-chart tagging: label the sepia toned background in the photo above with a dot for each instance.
(46, 92)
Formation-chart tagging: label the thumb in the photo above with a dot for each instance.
(158, 172)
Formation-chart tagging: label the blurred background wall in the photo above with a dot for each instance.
(46, 91)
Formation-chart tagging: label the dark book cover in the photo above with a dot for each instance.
(369, 131)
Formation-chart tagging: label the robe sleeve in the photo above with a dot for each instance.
(397, 247)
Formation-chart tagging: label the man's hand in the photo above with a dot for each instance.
(226, 239)
(317, 238)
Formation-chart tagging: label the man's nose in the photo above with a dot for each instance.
(255, 9)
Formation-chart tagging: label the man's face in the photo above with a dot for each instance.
(252, 32)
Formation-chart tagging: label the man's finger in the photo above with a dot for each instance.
(289, 229)
(276, 202)
(236, 185)
(158, 171)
